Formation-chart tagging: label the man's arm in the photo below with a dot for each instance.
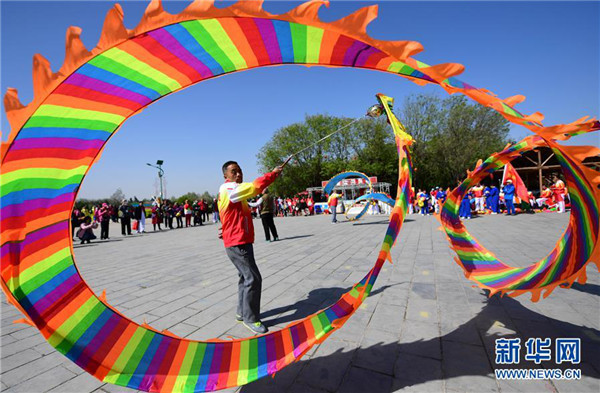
(245, 191)
(255, 204)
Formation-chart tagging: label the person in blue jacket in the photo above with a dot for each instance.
(486, 195)
(465, 207)
(440, 196)
(509, 195)
(494, 199)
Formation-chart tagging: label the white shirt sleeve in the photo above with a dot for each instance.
(255, 204)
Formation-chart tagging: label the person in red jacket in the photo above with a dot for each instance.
(559, 191)
(237, 232)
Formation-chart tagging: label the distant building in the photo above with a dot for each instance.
(350, 188)
(537, 166)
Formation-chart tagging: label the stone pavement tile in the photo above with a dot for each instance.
(424, 290)
(7, 339)
(44, 348)
(303, 388)
(454, 315)
(178, 294)
(589, 312)
(453, 301)
(326, 369)
(394, 297)
(427, 387)
(526, 386)
(465, 333)
(146, 308)
(239, 331)
(204, 317)
(213, 329)
(491, 315)
(165, 309)
(448, 287)
(424, 276)
(82, 383)
(424, 310)
(359, 380)
(462, 364)
(174, 319)
(144, 318)
(182, 329)
(117, 300)
(533, 328)
(22, 345)
(471, 384)
(43, 381)
(420, 373)
(589, 382)
(354, 328)
(18, 359)
(378, 351)
(389, 318)
(517, 311)
(281, 382)
(136, 301)
(25, 333)
(420, 338)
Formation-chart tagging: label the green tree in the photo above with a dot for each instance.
(194, 196)
(190, 196)
(117, 197)
(451, 135)
(366, 146)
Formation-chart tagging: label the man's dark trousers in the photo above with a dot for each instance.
(269, 224)
(125, 224)
(250, 283)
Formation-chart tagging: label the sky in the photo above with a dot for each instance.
(546, 51)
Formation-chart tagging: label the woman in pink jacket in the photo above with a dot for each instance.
(86, 233)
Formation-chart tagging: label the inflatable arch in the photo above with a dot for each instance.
(370, 196)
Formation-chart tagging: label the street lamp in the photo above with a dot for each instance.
(160, 174)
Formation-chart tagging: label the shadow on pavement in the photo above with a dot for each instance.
(379, 222)
(318, 299)
(587, 288)
(294, 237)
(77, 244)
(383, 368)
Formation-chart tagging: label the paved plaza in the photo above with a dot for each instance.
(425, 328)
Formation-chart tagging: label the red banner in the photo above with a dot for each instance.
(511, 173)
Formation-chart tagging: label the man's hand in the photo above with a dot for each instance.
(286, 161)
(278, 169)
(220, 232)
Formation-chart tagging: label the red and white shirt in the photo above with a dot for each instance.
(234, 211)
(559, 191)
(477, 191)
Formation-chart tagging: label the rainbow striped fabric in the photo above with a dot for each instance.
(566, 262)
(58, 136)
(116, 350)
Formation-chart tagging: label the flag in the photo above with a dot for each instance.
(511, 173)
